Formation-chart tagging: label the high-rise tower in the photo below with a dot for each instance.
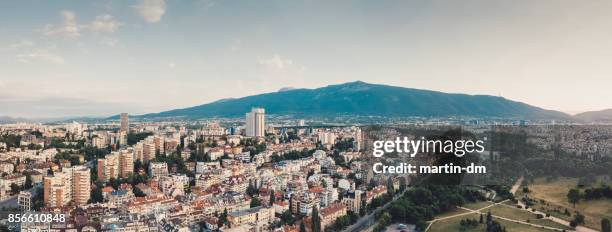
(255, 122)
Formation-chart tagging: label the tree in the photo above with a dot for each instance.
(255, 202)
(272, 197)
(605, 225)
(579, 218)
(14, 188)
(302, 227)
(316, 221)
(28, 182)
(573, 196)
(286, 217)
(137, 192)
(573, 223)
(390, 187)
(251, 190)
(481, 219)
(96, 194)
(489, 217)
(494, 227)
(38, 202)
(223, 218)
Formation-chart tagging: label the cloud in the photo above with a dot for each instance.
(104, 23)
(171, 65)
(151, 10)
(22, 44)
(69, 27)
(235, 45)
(41, 56)
(206, 4)
(274, 63)
(109, 41)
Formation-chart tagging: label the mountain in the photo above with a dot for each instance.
(283, 89)
(364, 99)
(9, 120)
(602, 116)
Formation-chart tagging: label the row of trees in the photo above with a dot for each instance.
(421, 203)
(291, 155)
(574, 195)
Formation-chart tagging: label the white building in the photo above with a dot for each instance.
(327, 137)
(25, 201)
(255, 123)
(158, 169)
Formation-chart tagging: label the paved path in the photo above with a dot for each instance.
(552, 218)
(514, 220)
(470, 211)
(513, 190)
(516, 185)
(555, 219)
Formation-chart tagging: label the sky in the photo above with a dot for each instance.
(99, 58)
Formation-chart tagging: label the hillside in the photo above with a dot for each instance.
(602, 116)
(364, 99)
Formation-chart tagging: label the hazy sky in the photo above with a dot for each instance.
(77, 58)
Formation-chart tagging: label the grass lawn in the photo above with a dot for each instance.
(512, 226)
(451, 213)
(546, 222)
(453, 225)
(477, 205)
(510, 212)
(514, 213)
(555, 195)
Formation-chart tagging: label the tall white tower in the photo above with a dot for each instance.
(255, 122)
(125, 126)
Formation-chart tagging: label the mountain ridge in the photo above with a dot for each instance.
(602, 116)
(364, 99)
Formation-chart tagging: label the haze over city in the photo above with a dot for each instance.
(101, 58)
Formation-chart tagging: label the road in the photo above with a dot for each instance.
(368, 220)
(513, 220)
(12, 201)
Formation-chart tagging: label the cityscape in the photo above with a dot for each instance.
(305, 116)
(249, 174)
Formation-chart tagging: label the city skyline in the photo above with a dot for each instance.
(103, 58)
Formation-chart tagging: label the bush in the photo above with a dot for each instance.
(573, 223)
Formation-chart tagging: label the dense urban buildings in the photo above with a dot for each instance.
(216, 174)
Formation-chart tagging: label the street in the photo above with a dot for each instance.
(368, 220)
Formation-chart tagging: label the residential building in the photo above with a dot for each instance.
(25, 201)
(255, 123)
(157, 169)
(81, 187)
(124, 122)
(253, 215)
(126, 163)
(108, 167)
(329, 214)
